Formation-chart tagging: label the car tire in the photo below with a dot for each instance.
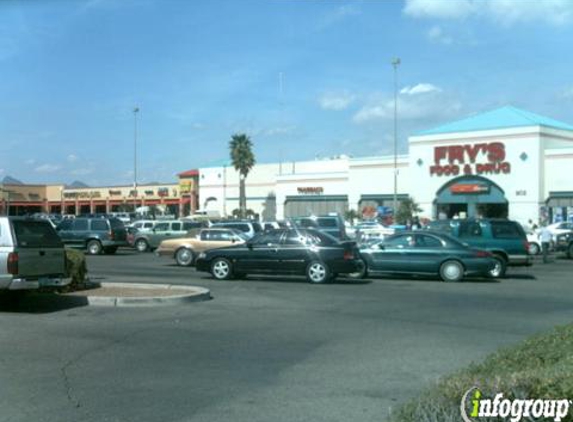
(534, 249)
(500, 267)
(570, 251)
(184, 257)
(110, 250)
(222, 269)
(317, 273)
(451, 271)
(141, 245)
(94, 247)
(359, 275)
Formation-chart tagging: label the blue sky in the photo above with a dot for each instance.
(302, 78)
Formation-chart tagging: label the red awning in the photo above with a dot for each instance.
(24, 204)
(189, 173)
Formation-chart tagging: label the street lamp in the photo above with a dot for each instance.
(135, 111)
(395, 64)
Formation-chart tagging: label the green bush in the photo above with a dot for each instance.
(541, 367)
(76, 269)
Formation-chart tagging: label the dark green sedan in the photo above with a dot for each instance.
(424, 253)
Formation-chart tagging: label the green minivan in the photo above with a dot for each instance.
(505, 239)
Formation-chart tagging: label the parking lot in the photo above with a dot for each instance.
(264, 348)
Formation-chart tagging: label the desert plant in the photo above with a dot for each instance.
(76, 269)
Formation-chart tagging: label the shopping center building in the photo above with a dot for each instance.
(503, 163)
(178, 199)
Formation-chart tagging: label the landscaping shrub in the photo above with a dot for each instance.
(76, 269)
(541, 367)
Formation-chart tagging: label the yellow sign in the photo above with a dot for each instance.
(186, 186)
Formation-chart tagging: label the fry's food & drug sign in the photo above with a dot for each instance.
(454, 160)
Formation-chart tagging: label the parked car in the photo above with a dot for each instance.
(123, 216)
(250, 228)
(95, 235)
(557, 229)
(143, 225)
(32, 255)
(372, 229)
(317, 255)
(564, 243)
(505, 239)
(534, 244)
(149, 240)
(331, 224)
(425, 253)
(185, 250)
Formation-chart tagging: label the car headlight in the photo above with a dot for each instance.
(202, 255)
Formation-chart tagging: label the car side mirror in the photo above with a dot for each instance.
(233, 240)
(250, 245)
(381, 246)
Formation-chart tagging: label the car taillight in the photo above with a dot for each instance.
(348, 255)
(526, 245)
(482, 254)
(12, 265)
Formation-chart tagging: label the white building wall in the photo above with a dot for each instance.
(540, 161)
(375, 176)
(521, 185)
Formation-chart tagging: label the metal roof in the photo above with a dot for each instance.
(500, 118)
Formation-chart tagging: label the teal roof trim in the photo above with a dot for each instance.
(500, 118)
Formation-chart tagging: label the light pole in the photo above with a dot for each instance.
(395, 64)
(135, 111)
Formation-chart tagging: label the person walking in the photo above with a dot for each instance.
(545, 239)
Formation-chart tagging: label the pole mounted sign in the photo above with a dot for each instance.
(484, 158)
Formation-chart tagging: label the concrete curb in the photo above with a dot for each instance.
(195, 294)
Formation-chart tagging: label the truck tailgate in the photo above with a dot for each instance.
(39, 248)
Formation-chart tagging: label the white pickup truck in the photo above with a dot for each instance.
(31, 255)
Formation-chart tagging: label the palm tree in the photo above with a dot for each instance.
(243, 160)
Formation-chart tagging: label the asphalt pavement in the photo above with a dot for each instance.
(263, 349)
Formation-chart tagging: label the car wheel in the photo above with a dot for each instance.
(500, 267)
(94, 247)
(570, 251)
(451, 271)
(221, 269)
(534, 249)
(141, 245)
(317, 272)
(362, 273)
(184, 257)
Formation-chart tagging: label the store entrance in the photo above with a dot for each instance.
(470, 196)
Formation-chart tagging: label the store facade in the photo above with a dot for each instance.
(503, 163)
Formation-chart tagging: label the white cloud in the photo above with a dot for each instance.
(30, 161)
(504, 12)
(278, 131)
(47, 168)
(72, 158)
(410, 107)
(419, 89)
(436, 35)
(441, 9)
(567, 93)
(337, 102)
(82, 171)
(338, 15)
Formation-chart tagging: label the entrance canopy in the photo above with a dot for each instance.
(473, 195)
